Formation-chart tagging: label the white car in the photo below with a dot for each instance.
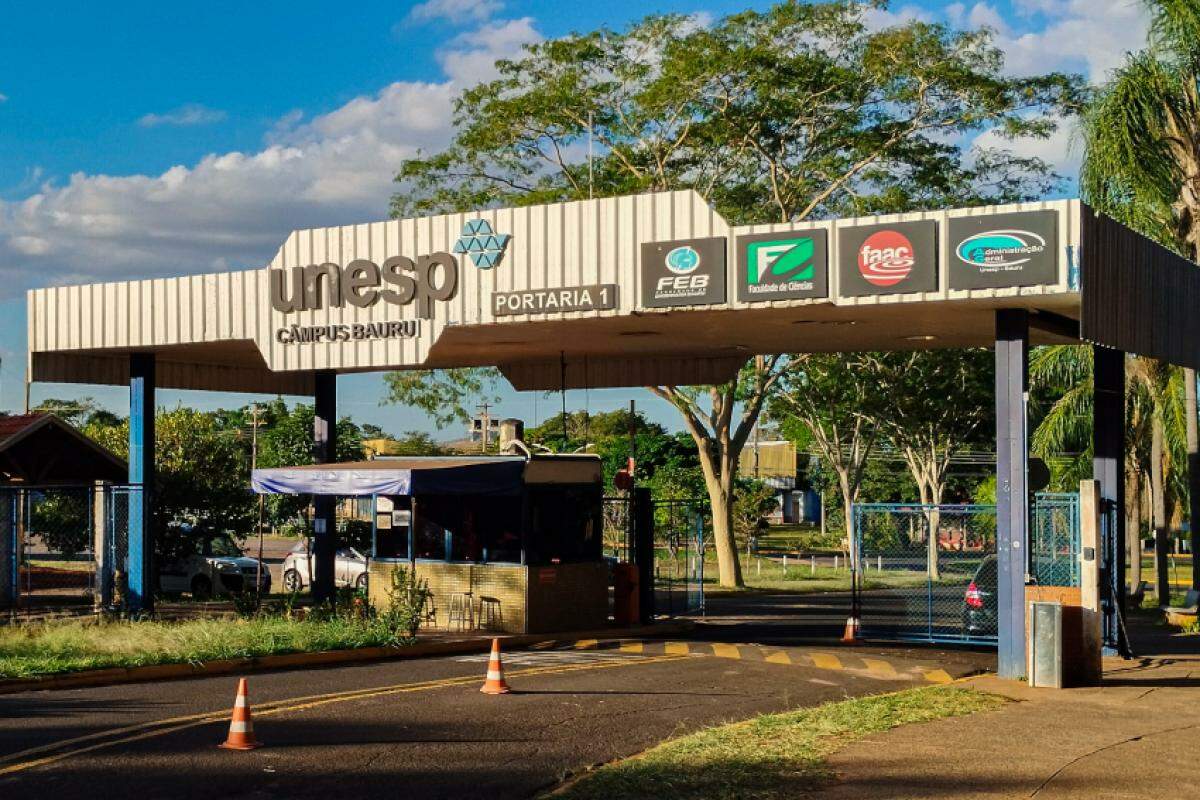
(217, 568)
(350, 569)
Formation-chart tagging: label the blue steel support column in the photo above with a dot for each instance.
(1108, 467)
(324, 452)
(140, 593)
(1012, 494)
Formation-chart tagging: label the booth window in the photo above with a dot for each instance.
(468, 529)
(564, 524)
(392, 530)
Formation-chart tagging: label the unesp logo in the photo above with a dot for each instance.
(1000, 249)
(781, 261)
(682, 260)
(482, 244)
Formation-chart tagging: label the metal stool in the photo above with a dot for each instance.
(429, 611)
(462, 611)
(491, 615)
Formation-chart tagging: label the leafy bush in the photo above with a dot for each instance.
(407, 596)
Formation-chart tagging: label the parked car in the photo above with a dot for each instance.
(215, 566)
(980, 603)
(350, 569)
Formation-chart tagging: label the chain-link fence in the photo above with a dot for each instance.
(618, 528)
(929, 572)
(1054, 539)
(54, 535)
(926, 572)
(682, 529)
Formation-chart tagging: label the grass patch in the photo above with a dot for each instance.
(771, 756)
(52, 648)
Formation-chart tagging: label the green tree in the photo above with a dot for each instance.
(1142, 163)
(203, 480)
(446, 395)
(837, 401)
(799, 111)
(287, 441)
(939, 401)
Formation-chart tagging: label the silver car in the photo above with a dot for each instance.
(213, 566)
(350, 569)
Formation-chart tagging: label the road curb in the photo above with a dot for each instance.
(326, 658)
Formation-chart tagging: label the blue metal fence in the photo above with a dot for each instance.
(929, 572)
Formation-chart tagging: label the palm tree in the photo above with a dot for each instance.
(1142, 164)
(1155, 435)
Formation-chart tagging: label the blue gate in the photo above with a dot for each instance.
(929, 572)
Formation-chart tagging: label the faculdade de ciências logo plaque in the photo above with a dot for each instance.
(899, 258)
(1001, 250)
(783, 266)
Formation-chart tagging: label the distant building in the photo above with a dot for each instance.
(777, 464)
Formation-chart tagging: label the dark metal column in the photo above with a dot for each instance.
(1012, 493)
(1108, 467)
(324, 452)
(140, 590)
(642, 509)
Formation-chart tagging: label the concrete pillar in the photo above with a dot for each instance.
(1108, 468)
(1012, 492)
(101, 544)
(1090, 527)
(324, 452)
(140, 592)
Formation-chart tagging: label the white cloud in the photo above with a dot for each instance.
(234, 209)
(186, 115)
(1088, 36)
(471, 57)
(457, 11)
(1061, 149)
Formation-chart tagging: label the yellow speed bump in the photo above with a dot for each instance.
(676, 648)
(726, 651)
(880, 668)
(632, 647)
(826, 661)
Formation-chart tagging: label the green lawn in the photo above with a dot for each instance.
(771, 756)
(800, 577)
(56, 647)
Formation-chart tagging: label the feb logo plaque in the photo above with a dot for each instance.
(1004, 250)
(789, 265)
(899, 258)
(687, 272)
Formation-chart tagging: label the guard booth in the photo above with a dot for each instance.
(506, 543)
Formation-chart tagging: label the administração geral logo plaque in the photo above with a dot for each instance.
(1000, 250)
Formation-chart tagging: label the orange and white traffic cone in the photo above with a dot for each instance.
(241, 726)
(495, 675)
(850, 635)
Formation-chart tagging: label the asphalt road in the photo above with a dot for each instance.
(417, 729)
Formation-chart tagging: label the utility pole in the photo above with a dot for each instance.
(485, 421)
(261, 498)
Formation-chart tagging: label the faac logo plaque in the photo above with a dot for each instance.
(1003, 250)
(783, 266)
(688, 272)
(899, 258)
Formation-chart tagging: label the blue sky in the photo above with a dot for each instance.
(141, 138)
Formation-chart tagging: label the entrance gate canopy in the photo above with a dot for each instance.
(626, 291)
